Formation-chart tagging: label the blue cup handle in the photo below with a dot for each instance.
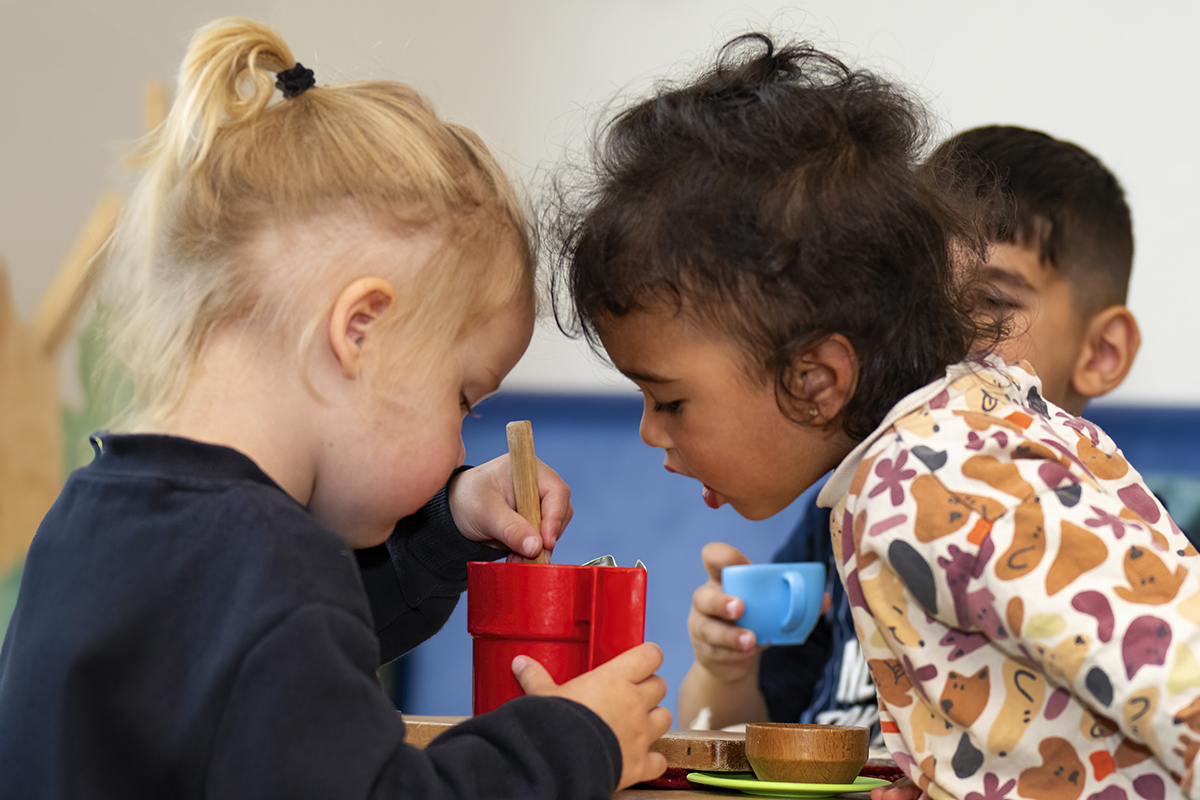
(795, 610)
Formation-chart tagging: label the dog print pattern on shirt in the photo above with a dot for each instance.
(1029, 611)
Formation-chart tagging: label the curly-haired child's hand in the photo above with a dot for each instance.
(483, 505)
(726, 651)
(903, 789)
(625, 693)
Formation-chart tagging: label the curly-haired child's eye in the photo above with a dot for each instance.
(667, 408)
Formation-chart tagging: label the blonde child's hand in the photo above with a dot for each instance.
(625, 693)
(903, 789)
(725, 650)
(483, 505)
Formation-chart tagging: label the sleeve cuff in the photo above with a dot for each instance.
(573, 746)
(431, 538)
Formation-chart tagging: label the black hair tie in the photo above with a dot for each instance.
(295, 81)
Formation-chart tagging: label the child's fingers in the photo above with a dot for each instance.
(637, 663)
(517, 534)
(556, 504)
(716, 633)
(710, 601)
(532, 676)
(648, 764)
(903, 789)
(711, 620)
(653, 690)
(661, 719)
(651, 766)
(552, 529)
(482, 504)
(660, 722)
(718, 555)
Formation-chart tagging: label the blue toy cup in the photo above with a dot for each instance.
(783, 601)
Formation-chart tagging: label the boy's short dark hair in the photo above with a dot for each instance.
(1052, 196)
(775, 199)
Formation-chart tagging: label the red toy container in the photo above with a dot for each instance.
(569, 618)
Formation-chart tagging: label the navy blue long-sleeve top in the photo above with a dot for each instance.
(186, 629)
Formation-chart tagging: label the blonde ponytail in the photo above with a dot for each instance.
(226, 79)
(231, 159)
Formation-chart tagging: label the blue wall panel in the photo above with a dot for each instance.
(1156, 440)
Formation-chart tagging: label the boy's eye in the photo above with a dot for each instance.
(999, 301)
(667, 408)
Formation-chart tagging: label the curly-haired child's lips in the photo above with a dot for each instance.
(710, 497)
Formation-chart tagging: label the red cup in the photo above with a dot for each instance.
(569, 618)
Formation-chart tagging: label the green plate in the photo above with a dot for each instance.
(747, 783)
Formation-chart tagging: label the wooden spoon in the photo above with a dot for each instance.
(525, 484)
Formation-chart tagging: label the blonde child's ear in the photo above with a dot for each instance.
(1110, 344)
(823, 379)
(355, 309)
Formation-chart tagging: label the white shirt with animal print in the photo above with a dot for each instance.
(1029, 611)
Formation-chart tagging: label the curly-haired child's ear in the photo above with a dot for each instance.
(1110, 344)
(355, 309)
(823, 379)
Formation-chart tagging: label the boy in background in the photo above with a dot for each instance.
(1059, 261)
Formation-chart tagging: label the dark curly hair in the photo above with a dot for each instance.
(774, 198)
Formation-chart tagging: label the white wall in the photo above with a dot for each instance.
(1116, 80)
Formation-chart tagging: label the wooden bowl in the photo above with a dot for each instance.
(796, 753)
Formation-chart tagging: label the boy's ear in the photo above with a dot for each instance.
(823, 378)
(1110, 345)
(354, 310)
